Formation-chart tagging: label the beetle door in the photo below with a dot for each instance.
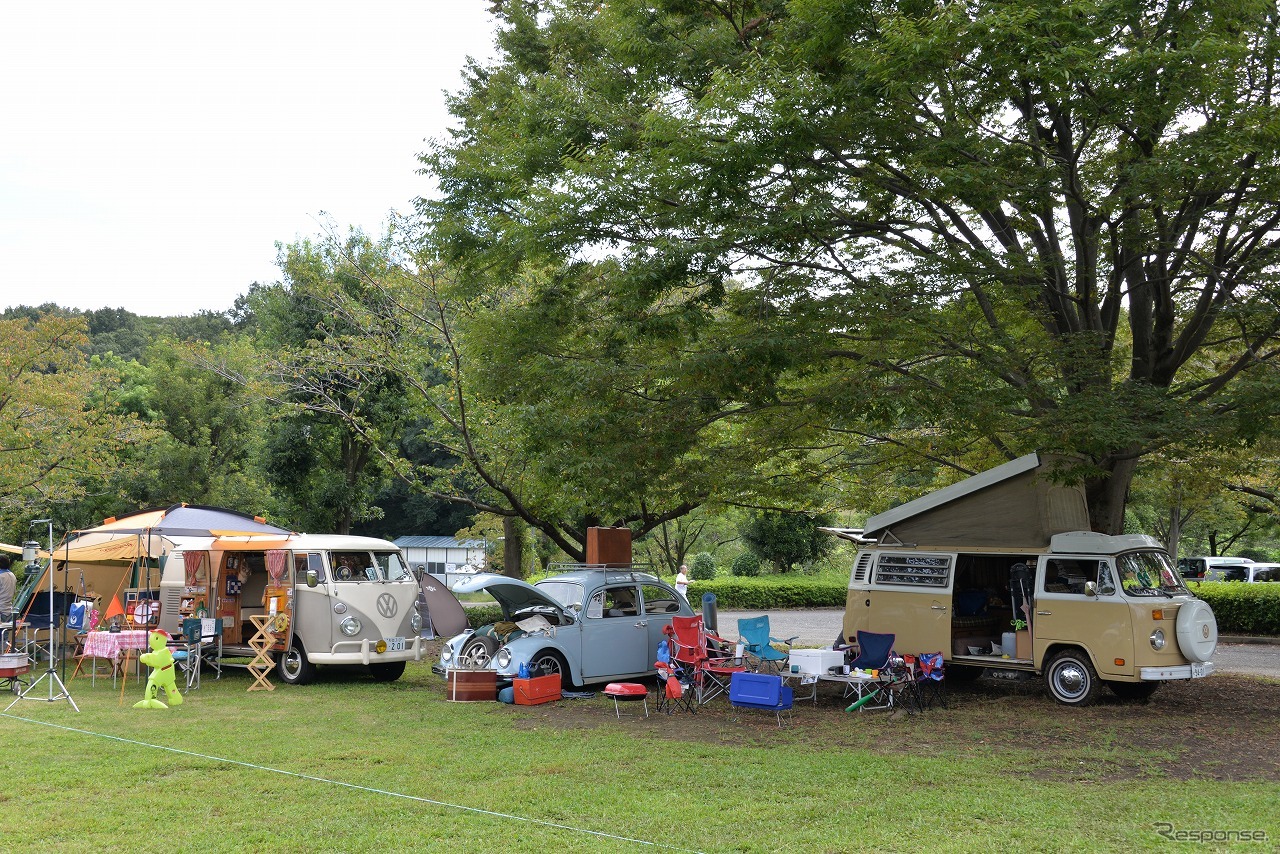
(615, 635)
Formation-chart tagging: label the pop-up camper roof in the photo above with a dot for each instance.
(1009, 506)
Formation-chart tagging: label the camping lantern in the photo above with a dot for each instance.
(31, 551)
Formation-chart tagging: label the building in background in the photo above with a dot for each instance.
(443, 555)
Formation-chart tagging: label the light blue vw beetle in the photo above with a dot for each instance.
(586, 624)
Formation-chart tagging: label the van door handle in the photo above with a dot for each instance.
(642, 624)
(1044, 613)
(938, 607)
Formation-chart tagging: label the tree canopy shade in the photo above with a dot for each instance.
(963, 230)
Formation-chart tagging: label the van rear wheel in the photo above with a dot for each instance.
(1071, 679)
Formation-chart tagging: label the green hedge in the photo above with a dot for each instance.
(757, 594)
(1242, 609)
(483, 615)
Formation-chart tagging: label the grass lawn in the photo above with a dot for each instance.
(348, 764)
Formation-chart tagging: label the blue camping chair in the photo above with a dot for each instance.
(874, 651)
(757, 644)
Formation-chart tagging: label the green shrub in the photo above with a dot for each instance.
(758, 594)
(745, 565)
(704, 567)
(483, 615)
(1242, 609)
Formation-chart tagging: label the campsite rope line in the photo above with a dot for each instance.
(358, 787)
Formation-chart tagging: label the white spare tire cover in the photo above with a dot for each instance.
(1197, 630)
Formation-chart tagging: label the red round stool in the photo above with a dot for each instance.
(627, 692)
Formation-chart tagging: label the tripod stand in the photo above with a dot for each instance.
(50, 675)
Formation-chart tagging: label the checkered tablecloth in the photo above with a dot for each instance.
(109, 644)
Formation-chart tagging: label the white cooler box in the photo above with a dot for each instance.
(814, 660)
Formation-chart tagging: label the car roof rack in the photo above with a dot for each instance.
(614, 572)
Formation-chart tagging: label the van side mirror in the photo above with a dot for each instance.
(313, 578)
(1090, 588)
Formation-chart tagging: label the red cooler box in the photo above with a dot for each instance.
(538, 689)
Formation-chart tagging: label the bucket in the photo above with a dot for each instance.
(1009, 643)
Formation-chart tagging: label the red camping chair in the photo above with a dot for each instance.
(709, 656)
(675, 681)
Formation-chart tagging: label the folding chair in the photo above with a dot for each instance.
(874, 649)
(706, 654)
(675, 683)
(930, 684)
(204, 648)
(757, 644)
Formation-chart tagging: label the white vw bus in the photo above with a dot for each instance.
(325, 599)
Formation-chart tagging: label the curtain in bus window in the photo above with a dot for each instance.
(191, 562)
(277, 561)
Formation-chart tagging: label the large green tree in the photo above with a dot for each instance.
(61, 434)
(949, 233)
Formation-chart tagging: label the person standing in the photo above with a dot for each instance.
(682, 582)
(8, 583)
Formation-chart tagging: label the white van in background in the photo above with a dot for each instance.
(1202, 567)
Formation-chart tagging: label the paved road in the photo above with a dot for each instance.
(818, 627)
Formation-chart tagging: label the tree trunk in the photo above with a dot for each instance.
(512, 547)
(1175, 529)
(1106, 495)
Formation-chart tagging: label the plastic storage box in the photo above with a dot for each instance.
(814, 661)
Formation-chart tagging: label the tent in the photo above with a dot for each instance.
(125, 552)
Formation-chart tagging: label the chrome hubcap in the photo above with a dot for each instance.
(1070, 679)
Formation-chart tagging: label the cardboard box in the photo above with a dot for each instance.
(1024, 645)
(538, 689)
(814, 661)
(472, 685)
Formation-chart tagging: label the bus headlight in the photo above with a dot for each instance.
(350, 627)
(1157, 639)
(415, 622)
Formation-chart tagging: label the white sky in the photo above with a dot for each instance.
(151, 154)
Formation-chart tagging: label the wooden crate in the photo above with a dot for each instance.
(538, 689)
(472, 685)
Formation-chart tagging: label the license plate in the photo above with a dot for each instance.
(1197, 671)
(395, 644)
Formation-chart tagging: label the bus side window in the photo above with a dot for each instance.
(1106, 582)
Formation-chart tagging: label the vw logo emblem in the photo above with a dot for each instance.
(387, 606)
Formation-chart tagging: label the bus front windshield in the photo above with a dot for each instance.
(1148, 574)
(392, 567)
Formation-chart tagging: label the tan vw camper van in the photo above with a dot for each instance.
(998, 572)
